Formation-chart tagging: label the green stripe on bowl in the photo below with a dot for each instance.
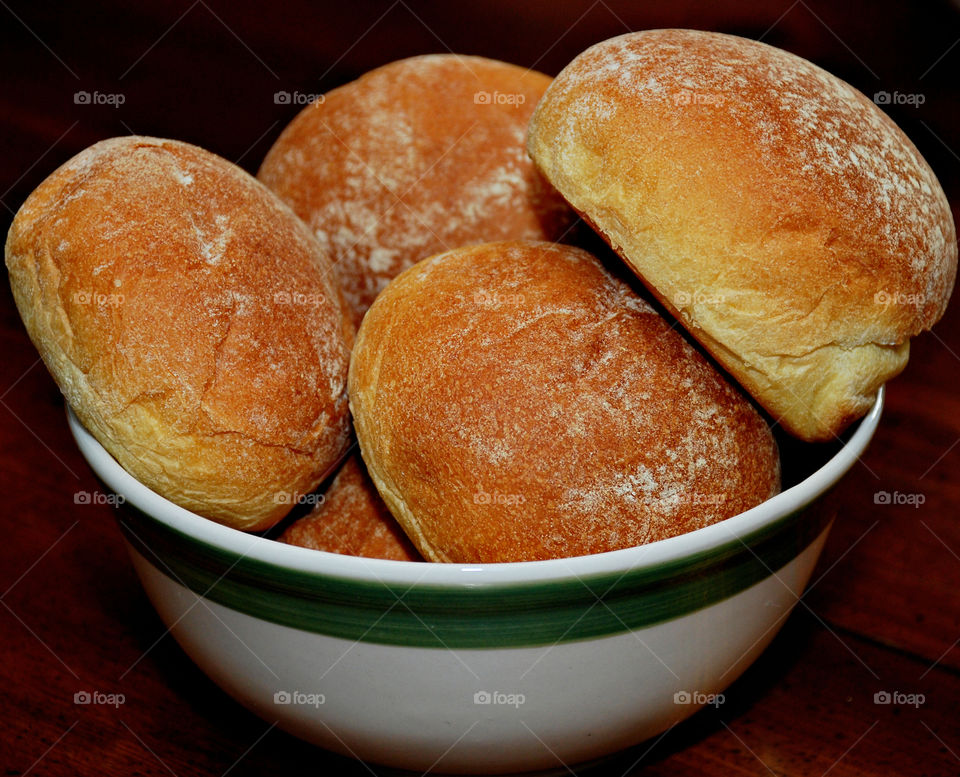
(514, 615)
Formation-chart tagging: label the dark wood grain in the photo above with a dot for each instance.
(883, 612)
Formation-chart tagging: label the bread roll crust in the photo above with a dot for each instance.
(413, 158)
(189, 319)
(513, 401)
(352, 519)
(784, 219)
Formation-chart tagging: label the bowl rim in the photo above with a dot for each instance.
(306, 561)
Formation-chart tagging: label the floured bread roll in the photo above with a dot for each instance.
(780, 215)
(413, 158)
(352, 519)
(189, 318)
(514, 401)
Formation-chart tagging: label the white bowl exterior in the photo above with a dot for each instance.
(414, 708)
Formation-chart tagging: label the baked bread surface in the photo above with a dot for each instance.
(513, 401)
(414, 158)
(190, 319)
(352, 519)
(780, 215)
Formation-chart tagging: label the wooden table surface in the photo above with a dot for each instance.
(882, 615)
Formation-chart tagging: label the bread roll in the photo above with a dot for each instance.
(413, 158)
(352, 519)
(514, 401)
(774, 210)
(189, 318)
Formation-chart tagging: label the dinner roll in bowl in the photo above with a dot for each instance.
(784, 219)
(413, 158)
(189, 318)
(350, 518)
(514, 401)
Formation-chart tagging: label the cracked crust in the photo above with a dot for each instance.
(190, 321)
(781, 216)
(513, 401)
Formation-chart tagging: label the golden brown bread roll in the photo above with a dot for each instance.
(514, 401)
(352, 519)
(189, 318)
(413, 158)
(779, 214)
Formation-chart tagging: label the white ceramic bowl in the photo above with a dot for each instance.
(477, 668)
